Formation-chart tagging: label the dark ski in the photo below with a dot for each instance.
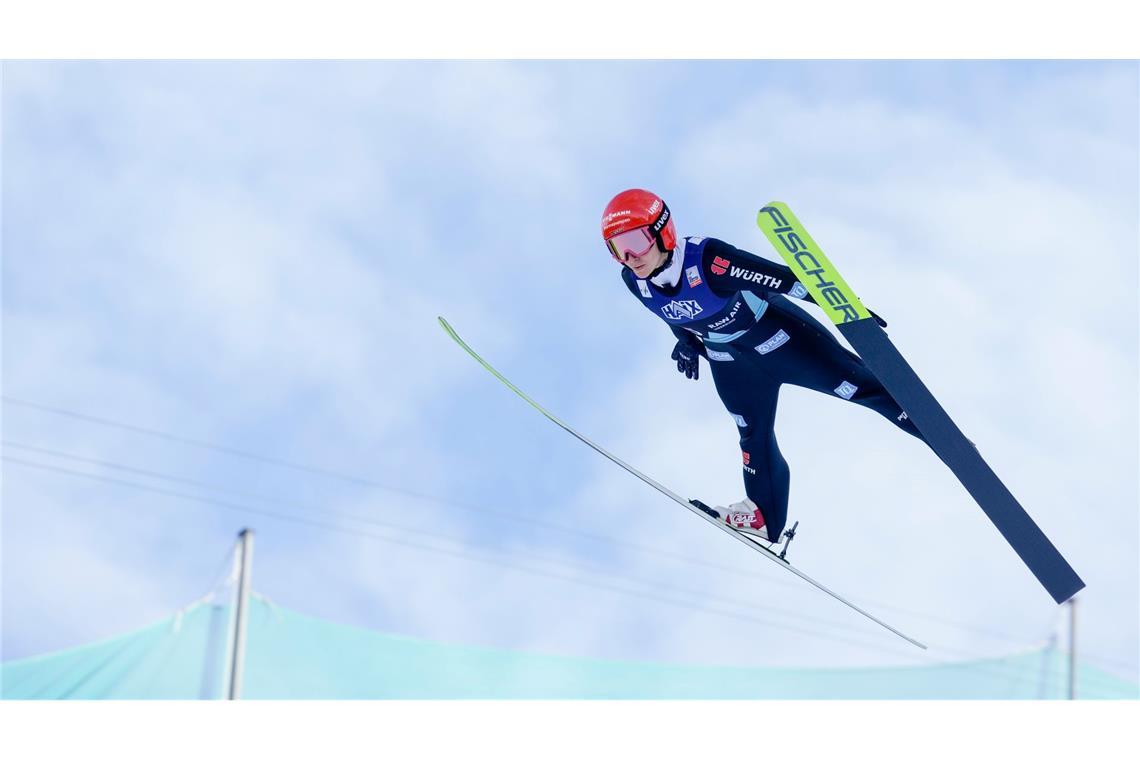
(839, 302)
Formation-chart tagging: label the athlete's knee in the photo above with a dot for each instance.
(743, 424)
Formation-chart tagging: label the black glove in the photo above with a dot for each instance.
(882, 322)
(687, 354)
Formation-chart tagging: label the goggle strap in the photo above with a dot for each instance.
(659, 224)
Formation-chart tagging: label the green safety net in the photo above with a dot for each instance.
(294, 656)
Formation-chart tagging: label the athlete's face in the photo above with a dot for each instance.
(643, 265)
(637, 249)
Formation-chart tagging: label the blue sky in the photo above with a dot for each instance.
(254, 254)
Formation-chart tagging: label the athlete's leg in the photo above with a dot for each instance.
(813, 358)
(750, 397)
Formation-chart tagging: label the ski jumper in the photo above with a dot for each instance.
(755, 340)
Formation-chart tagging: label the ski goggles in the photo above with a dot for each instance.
(636, 243)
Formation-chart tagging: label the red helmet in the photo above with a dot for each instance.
(635, 208)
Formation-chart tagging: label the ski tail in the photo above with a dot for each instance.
(812, 268)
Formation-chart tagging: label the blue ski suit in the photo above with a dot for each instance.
(755, 340)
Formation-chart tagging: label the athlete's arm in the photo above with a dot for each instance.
(731, 269)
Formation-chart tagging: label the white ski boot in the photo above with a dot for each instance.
(745, 517)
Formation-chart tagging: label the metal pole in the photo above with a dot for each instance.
(1073, 648)
(240, 615)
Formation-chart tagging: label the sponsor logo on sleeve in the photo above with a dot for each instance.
(694, 275)
(748, 275)
(798, 290)
(902, 417)
(643, 286)
(719, 265)
(718, 356)
(770, 345)
(740, 422)
(846, 390)
(678, 310)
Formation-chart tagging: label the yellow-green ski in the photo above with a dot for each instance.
(693, 506)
